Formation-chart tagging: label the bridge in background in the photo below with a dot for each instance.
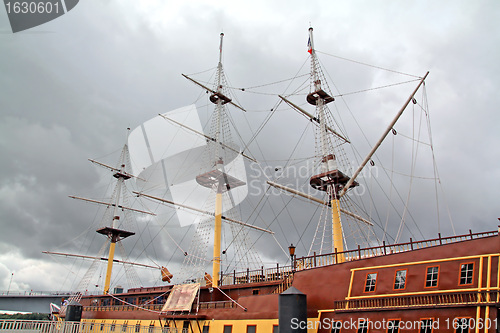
(31, 301)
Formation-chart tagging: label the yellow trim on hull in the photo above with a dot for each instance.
(426, 261)
(238, 326)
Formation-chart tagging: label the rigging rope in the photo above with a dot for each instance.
(365, 64)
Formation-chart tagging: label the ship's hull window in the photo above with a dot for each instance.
(336, 326)
(431, 279)
(466, 273)
(185, 326)
(251, 329)
(228, 328)
(461, 325)
(393, 326)
(426, 326)
(362, 326)
(400, 280)
(371, 282)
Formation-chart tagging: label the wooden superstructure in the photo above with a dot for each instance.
(445, 279)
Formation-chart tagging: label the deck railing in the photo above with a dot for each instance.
(35, 293)
(41, 326)
(277, 273)
(280, 273)
(217, 305)
(153, 307)
(432, 300)
(384, 249)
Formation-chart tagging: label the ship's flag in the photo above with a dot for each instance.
(309, 46)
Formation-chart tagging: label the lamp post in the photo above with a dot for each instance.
(291, 250)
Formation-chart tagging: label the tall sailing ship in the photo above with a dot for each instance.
(445, 284)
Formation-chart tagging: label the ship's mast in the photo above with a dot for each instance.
(329, 179)
(220, 167)
(114, 234)
(217, 178)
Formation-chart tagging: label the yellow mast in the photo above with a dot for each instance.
(220, 166)
(338, 240)
(330, 179)
(109, 267)
(217, 178)
(217, 239)
(114, 234)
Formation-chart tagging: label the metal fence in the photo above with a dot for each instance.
(41, 326)
(35, 293)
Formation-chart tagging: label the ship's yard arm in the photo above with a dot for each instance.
(379, 142)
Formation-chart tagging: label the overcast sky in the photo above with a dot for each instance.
(71, 87)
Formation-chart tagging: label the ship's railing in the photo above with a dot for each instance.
(217, 305)
(284, 285)
(41, 326)
(35, 293)
(90, 327)
(385, 249)
(37, 326)
(441, 299)
(154, 307)
(278, 273)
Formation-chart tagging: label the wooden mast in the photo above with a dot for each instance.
(330, 179)
(220, 167)
(217, 178)
(113, 232)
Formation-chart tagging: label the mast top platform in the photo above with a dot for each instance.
(217, 96)
(115, 234)
(330, 177)
(122, 174)
(219, 178)
(335, 178)
(313, 97)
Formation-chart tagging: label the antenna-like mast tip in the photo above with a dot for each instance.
(221, 34)
(310, 29)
